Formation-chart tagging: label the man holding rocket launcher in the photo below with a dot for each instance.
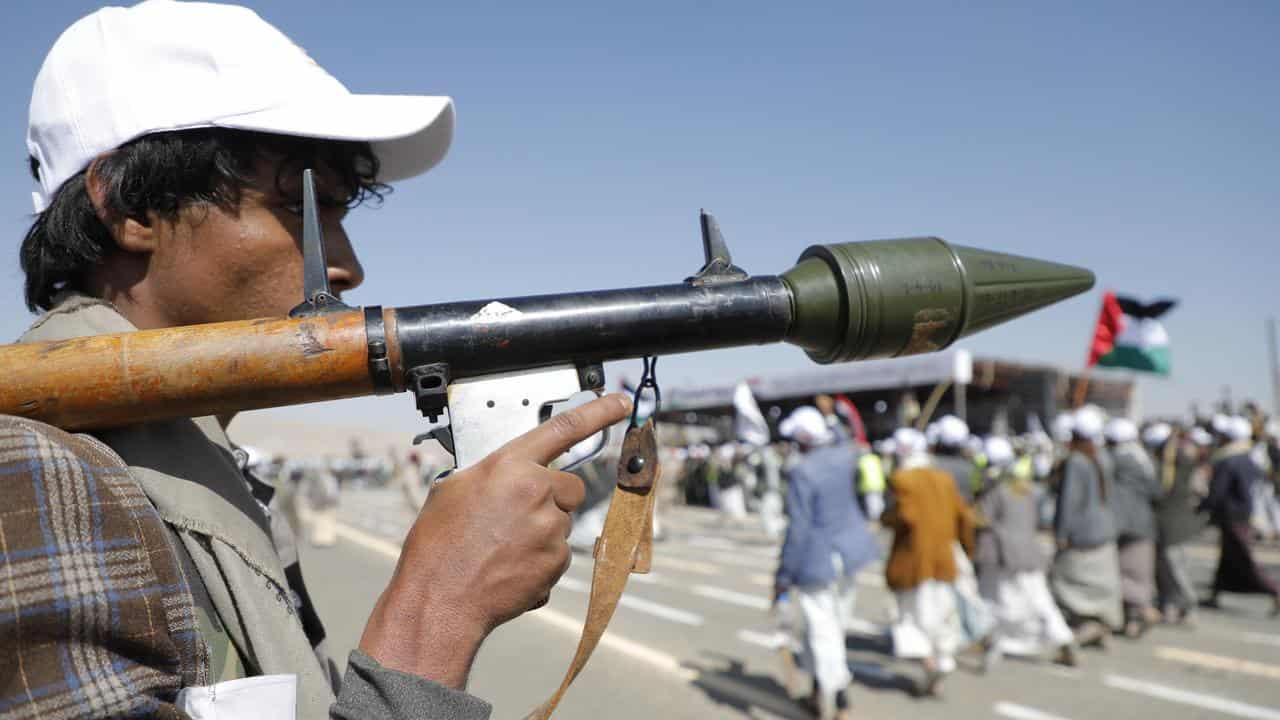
(176, 233)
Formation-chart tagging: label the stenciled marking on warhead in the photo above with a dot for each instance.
(1001, 265)
(921, 286)
(926, 324)
(310, 344)
(495, 311)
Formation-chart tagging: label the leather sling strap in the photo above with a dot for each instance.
(625, 546)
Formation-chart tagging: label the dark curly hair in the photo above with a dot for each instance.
(165, 173)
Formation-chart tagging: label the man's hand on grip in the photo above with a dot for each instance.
(488, 545)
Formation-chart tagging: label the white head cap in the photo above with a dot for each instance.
(1221, 424)
(1156, 434)
(1121, 430)
(1240, 429)
(121, 73)
(1200, 437)
(952, 431)
(1087, 422)
(1272, 429)
(998, 450)
(807, 426)
(908, 442)
(1062, 426)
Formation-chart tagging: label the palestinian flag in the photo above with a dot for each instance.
(1129, 335)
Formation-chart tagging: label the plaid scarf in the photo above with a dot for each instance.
(96, 613)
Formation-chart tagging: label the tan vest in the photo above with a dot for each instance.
(186, 469)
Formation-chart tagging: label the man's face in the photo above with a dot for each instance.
(212, 265)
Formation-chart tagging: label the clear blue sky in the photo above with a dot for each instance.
(1141, 141)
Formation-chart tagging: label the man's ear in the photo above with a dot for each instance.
(131, 235)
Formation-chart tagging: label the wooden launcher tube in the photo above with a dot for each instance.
(191, 371)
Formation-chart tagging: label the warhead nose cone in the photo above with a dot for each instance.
(1002, 287)
(886, 298)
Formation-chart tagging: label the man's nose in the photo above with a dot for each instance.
(345, 272)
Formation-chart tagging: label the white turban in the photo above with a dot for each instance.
(908, 442)
(952, 431)
(807, 426)
(1240, 429)
(1201, 437)
(1156, 434)
(886, 446)
(1062, 427)
(999, 451)
(1121, 430)
(1221, 424)
(1087, 422)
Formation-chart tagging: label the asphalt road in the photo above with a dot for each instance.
(693, 640)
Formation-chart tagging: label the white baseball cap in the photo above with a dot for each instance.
(1221, 424)
(909, 441)
(806, 424)
(1121, 430)
(121, 73)
(999, 451)
(952, 431)
(1088, 422)
(1200, 436)
(1157, 433)
(1063, 425)
(1240, 429)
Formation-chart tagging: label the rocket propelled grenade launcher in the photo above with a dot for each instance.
(497, 365)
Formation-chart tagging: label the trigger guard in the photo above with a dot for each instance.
(600, 446)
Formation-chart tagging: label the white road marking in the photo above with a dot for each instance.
(719, 543)
(368, 541)
(711, 541)
(665, 612)
(1261, 638)
(634, 650)
(1022, 712)
(646, 578)
(1218, 662)
(737, 560)
(755, 602)
(687, 565)
(772, 641)
(654, 658)
(1212, 703)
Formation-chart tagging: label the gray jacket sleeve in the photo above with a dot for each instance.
(372, 692)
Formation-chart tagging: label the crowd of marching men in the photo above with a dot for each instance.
(1037, 545)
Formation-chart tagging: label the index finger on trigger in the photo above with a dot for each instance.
(555, 436)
